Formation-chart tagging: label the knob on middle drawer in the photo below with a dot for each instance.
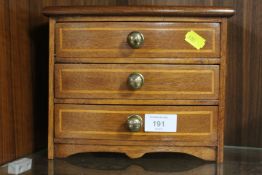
(135, 39)
(135, 80)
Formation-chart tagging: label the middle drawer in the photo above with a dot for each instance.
(118, 81)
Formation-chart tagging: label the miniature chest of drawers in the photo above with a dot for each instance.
(111, 66)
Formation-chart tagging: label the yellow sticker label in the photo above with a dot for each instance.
(195, 40)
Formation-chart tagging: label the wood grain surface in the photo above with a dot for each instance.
(194, 123)
(64, 150)
(16, 111)
(109, 81)
(243, 125)
(138, 11)
(108, 39)
(243, 122)
(138, 102)
(161, 81)
(7, 142)
(21, 75)
(51, 89)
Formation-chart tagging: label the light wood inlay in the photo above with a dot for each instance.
(63, 30)
(84, 39)
(84, 121)
(92, 63)
(144, 92)
(188, 82)
(63, 111)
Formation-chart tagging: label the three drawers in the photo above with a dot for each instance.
(80, 40)
(111, 66)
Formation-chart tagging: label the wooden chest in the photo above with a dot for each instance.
(109, 67)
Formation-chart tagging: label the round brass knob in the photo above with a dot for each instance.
(135, 39)
(134, 123)
(135, 80)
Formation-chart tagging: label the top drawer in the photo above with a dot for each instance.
(109, 40)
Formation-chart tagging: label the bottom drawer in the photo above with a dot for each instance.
(109, 122)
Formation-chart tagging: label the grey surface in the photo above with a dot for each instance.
(237, 161)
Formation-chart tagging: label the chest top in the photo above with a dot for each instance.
(178, 11)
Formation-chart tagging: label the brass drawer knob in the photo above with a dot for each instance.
(135, 81)
(135, 39)
(134, 123)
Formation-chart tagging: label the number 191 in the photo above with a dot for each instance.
(159, 123)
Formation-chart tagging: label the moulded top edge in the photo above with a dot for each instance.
(181, 11)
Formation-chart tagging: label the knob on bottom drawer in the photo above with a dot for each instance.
(134, 123)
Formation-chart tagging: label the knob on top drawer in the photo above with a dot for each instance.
(135, 39)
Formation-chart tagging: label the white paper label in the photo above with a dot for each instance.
(160, 122)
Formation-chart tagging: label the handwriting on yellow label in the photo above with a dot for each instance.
(195, 40)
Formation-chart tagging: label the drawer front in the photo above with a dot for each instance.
(110, 81)
(194, 123)
(109, 39)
